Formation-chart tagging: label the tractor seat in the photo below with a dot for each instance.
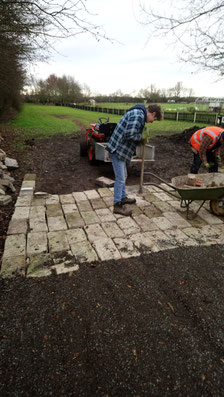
(107, 130)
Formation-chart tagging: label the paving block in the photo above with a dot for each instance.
(105, 215)
(18, 226)
(98, 203)
(21, 213)
(126, 247)
(40, 266)
(38, 225)
(176, 205)
(75, 235)
(163, 223)
(163, 196)
(84, 206)
(112, 229)
(209, 218)
(143, 242)
(206, 235)
(90, 217)
(66, 199)
(181, 238)
(62, 268)
(52, 199)
(28, 183)
(92, 194)
(145, 223)
(128, 225)
(104, 192)
(152, 211)
(58, 241)
(69, 208)
(141, 202)
(74, 220)
(37, 212)
(29, 177)
(15, 245)
(151, 198)
(109, 201)
(94, 232)
(38, 201)
(24, 201)
(84, 252)
(176, 220)
(102, 181)
(79, 196)
(13, 266)
(54, 210)
(135, 209)
(163, 206)
(106, 249)
(56, 223)
(161, 240)
(36, 243)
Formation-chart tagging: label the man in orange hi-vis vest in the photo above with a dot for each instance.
(206, 145)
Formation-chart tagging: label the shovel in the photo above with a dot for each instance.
(140, 191)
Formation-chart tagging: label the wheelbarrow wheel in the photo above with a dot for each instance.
(217, 207)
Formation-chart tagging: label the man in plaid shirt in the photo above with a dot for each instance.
(122, 146)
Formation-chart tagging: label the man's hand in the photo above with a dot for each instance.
(207, 165)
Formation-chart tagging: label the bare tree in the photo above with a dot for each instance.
(196, 24)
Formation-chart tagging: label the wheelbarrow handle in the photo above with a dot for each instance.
(160, 179)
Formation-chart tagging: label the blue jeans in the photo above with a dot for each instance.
(120, 172)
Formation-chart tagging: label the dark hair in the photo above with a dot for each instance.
(157, 109)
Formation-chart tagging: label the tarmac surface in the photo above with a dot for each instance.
(138, 313)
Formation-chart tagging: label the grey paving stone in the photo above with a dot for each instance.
(90, 217)
(128, 225)
(54, 210)
(24, 201)
(163, 196)
(176, 220)
(74, 220)
(21, 213)
(37, 212)
(69, 208)
(75, 235)
(98, 203)
(164, 206)
(144, 242)
(104, 192)
(15, 245)
(39, 266)
(181, 238)
(109, 201)
(152, 211)
(29, 177)
(135, 209)
(79, 196)
(206, 235)
(62, 268)
(105, 215)
(84, 206)
(17, 226)
(151, 198)
(209, 218)
(84, 252)
(38, 225)
(94, 232)
(126, 247)
(56, 223)
(112, 230)
(163, 223)
(36, 243)
(162, 241)
(58, 241)
(92, 194)
(28, 183)
(52, 199)
(106, 249)
(13, 266)
(38, 201)
(66, 199)
(145, 223)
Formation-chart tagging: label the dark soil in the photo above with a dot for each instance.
(148, 326)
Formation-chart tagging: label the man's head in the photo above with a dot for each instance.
(154, 112)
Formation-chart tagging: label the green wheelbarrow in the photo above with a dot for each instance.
(212, 189)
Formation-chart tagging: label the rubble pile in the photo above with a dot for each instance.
(6, 180)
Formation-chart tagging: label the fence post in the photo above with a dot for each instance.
(195, 115)
(177, 116)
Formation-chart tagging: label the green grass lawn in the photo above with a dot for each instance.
(39, 121)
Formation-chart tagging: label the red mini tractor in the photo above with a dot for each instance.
(100, 132)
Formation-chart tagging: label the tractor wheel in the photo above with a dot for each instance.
(217, 207)
(91, 154)
(83, 149)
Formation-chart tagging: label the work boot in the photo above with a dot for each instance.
(120, 209)
(126, 200)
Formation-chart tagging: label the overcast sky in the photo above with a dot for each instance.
(128, 64)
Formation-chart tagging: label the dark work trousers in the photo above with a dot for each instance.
(212, 160)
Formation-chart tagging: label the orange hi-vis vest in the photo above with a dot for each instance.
(213, 132)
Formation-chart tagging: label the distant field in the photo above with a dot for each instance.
(41, 121)
(165, 106)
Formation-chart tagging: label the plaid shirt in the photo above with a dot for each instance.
(205, 143)
(127, 134)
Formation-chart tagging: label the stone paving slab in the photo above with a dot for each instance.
(55, 234)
